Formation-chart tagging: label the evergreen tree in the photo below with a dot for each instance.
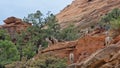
(4, 35)
(8, 52)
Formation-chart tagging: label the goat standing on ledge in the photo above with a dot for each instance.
(51, 40)
(71, 57)
(108, 39)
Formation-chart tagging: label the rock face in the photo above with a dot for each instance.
(89, 52)
(85, 12)
(108, 57)
(82, 48)
(13, 25)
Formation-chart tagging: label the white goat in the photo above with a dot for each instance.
(108, 39)
(71, 57)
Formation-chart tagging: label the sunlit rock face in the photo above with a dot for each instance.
(84, 12)
(82, 48)
(14, 25)
(89, 51)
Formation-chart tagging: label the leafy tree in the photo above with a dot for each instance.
(25, 47)
(28, 41)
(35, 18)
(53, 27)
(69, 33)
(54, 30)
(38, 32)
(4, 35)
(8, 52)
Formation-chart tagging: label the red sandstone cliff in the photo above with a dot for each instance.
(13, 25)
(89, 51)
(82, 48)
(85, 12)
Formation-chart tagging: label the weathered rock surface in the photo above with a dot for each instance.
(81, 48)
(85, 12)
(89, 52)
(13, 25)
(108, 57)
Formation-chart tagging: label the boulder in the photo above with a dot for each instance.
(14, 25)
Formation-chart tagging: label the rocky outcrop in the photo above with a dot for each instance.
(81, 48)
(88, 45)
(108, 57)
(85, 12)
(14, 25)
(89, 51)
(60, 49)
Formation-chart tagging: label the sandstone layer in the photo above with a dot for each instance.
(85, 12)
(14, 25)
(89, 51)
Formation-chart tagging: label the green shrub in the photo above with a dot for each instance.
(44, 61)
(25, 47)
(28, 41)
(115, 24)
(8, 52)
(109, 19)
(4, 35)
(48, 62)
(29, 51)
(114, 14)
(68, 33)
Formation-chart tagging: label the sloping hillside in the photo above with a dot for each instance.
(82, 48)
(85, 12)
(89, 52)
(107, 57)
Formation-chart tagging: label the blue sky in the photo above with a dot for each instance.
(21, 8)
